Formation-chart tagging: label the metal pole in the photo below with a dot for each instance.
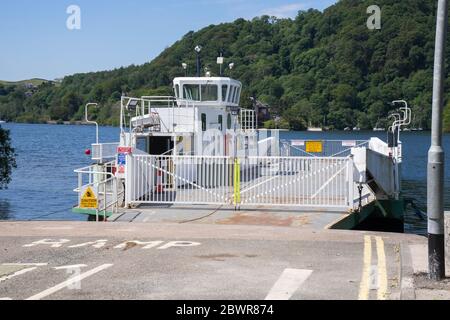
(436, 156)
(93, 122)
(198, 64)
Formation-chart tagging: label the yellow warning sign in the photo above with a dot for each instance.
(89, 200)
(314, 146)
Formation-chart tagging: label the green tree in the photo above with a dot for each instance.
(7, 158)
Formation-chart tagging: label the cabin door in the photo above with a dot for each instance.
(160, 145)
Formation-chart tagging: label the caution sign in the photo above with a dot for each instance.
(89, 199)
(314, 146)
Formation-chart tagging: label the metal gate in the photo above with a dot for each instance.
(253, 181)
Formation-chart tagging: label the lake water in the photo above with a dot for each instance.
(47, 155)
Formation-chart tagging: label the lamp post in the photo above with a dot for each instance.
(231, 66)
(198, 49)
(436, 155)
(185, 66)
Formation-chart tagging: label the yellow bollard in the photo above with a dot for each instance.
(237, 182)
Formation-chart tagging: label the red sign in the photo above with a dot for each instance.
(125, 150)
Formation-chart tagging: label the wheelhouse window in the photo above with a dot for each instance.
(203, 122)
(230, 96)
(191, 92)
(224, 92)
(203, 93)
(177, 91)
(229, 121)
(238, 93)
(233, 100)
(210, 92)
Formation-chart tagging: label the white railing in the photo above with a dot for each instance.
(307, 182)
(293, 181)
(247, 120)
(103, 181)
(145, 111)
(328, 148)
(104, 151)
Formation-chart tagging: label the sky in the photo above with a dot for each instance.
(36, 42)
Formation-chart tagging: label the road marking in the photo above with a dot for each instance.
(48, 242)
(367, 266)
(146, 245)
(69, 282)
(173, 244)
(288, 283)
(96, 244)
(382, 270)
(18, 273)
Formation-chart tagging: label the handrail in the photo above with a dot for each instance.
(108, 178)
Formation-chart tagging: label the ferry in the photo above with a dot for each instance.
(199, 147)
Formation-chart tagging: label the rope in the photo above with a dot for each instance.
(201, 218)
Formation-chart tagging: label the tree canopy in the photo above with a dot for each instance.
(321, 68)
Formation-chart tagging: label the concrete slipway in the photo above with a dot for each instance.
(225, 257)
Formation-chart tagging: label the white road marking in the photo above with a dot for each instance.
(49, 242)
(69, 282)
(147, 245)
(96, 244)
(18, 273)
(75, 266)
(288, 283)
(173, 244)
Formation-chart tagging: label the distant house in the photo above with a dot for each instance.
(262, 110)
(29, 86)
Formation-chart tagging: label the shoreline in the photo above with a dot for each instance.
(82, 123)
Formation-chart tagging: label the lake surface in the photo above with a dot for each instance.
(47, 155)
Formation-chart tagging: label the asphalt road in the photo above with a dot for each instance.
(196, 261)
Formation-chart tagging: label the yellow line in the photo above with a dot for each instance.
(382, 272)
(365, 279)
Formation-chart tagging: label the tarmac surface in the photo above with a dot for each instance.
(80, 260)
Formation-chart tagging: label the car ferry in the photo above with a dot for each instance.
(199, 147)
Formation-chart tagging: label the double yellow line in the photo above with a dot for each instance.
(364, 290)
